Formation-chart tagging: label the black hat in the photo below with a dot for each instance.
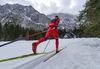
(56, 16)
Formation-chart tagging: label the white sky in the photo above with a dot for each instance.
(51, 6)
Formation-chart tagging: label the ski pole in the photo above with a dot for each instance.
(47, 45)
(19, 39)
(24, 37)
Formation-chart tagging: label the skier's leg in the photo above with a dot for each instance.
(48, 34)
(34, 45)
(55, 33)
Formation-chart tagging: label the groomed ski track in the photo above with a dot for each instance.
(81, 53)
(31, 64)
(35, 62)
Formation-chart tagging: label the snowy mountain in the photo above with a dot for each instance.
(66, 20)
(26, 16)
(81, 53)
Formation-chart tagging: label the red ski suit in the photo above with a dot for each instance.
(52, 30)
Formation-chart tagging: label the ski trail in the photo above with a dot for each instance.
(35, 62)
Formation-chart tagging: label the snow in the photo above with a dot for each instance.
(81, 53)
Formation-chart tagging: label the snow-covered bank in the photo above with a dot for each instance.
(81, 53)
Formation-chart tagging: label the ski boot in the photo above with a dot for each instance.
(34, 47)
(57, 51)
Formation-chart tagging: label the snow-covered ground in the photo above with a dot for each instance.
(81, 53)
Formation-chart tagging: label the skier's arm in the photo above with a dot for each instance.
(57, 22)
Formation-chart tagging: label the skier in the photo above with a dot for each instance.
(51, 30)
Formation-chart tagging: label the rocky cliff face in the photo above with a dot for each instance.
(26, 16)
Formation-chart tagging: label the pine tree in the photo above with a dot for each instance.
(61, 32)
(11, 32)
(0, 32)
(27, 34)
(5, 31)
(90, 18)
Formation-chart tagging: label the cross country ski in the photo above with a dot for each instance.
(23, 56)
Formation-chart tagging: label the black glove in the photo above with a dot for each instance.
(55, 26)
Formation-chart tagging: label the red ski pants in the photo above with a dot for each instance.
(48, 34)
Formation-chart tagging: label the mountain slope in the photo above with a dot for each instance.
(26, 16)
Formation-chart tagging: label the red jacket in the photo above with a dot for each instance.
(54, 22)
